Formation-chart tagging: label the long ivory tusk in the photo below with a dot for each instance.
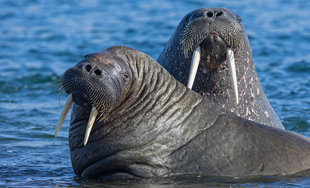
(64, 113)
(91, 120)
(194, 67)
(232, 71)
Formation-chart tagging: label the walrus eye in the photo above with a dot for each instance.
(186, 20)
(125, 76)
(239, 19)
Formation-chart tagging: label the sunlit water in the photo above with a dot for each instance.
(40, 39)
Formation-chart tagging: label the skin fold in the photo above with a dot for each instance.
(150, 125)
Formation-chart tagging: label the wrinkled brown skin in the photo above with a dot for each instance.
(157, 127)
(214, 83)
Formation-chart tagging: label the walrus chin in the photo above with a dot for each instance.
(197, 56)
(231, 66)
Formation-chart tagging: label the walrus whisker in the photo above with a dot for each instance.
(194, 67)
(60, 87)
(91, 120)
(232, 71)
(64, 113)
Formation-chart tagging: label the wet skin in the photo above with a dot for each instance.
(151, 125)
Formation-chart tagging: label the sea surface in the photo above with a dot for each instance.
(40, 39)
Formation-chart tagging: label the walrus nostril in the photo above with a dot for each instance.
(88, 68)
(218, 14)
(210, 14)
(97, 72)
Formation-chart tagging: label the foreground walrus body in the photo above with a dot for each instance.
(215, 32)
(150, 125)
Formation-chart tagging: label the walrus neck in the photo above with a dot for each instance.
(158, 102)
(153, 87)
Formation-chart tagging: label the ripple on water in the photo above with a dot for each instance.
(299, 67)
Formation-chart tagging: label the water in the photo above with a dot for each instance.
(40, 39)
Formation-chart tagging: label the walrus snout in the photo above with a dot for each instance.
(102, 72)
(205, 23)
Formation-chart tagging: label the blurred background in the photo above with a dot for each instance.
(40, 39)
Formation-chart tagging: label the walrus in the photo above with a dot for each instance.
(215, 39)
(132, 119)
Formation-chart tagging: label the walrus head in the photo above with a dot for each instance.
(97, 84)
(109, 78)
(212, 43)
(209, 37)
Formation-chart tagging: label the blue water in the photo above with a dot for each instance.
(40, 39)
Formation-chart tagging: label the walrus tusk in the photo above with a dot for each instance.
(91, 120)
(64, 113)
(194, 67)
(232, 71)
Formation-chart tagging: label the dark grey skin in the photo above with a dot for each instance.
(215, 30)
(151, 125)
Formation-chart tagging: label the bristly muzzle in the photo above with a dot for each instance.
(195, 32)
(87, 91)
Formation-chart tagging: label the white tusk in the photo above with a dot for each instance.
(232, 71)
(194, 67)
(64, 113)
(91, 120)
